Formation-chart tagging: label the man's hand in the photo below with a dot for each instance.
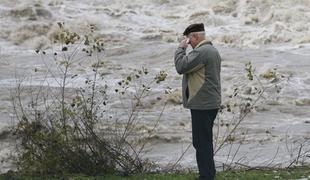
(184, 43)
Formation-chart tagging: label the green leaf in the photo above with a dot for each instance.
(86, 42)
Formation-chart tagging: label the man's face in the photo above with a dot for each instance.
(192, 39)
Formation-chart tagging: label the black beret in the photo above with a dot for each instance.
(194, 28)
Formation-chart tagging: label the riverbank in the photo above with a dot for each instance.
(296, 173)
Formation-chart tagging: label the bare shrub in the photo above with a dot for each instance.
(246, 97)
(58, 126)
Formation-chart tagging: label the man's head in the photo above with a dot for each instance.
(195, 33)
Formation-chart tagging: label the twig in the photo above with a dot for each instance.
(180, 158)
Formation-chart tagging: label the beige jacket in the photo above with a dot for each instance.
(201, 86)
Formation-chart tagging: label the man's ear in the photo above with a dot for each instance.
(195, 36)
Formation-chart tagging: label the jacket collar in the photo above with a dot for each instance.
(203, 42)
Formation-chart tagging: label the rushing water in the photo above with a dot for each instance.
(244, 23)
(145, 33)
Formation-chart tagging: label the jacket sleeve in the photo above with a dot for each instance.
(186, 64)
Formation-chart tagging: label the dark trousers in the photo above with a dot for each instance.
(202, 124)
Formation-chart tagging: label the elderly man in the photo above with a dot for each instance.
(201, 92)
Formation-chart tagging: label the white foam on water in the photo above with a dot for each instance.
(231, 22)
